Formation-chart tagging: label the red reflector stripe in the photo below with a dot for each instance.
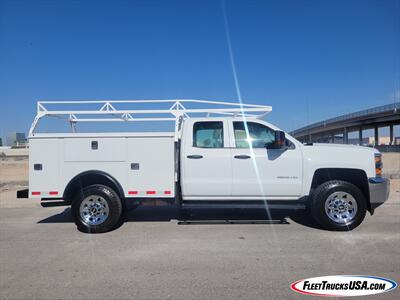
(167, 192)
(53, 193)
(150, 192)
(35, 193)
(133, 192)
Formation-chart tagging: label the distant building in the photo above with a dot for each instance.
(355, 141)
(16, 139)
(383, 140)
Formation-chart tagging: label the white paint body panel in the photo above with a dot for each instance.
(109, 150)
(67, 156)
(156, 165)
(209, 176)
(270, 174)
(46, 152)
(320, 156)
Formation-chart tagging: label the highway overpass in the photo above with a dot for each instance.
(338, 128)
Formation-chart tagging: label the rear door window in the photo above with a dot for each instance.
(208, 135)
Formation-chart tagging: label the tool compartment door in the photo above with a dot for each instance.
(95, 149)
(44, 167)
(151, 167)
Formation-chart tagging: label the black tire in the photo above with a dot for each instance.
(112, 217)
(320, 196)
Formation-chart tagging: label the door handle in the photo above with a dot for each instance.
(195, 156)
(242, 156)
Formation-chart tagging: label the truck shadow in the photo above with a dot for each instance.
(202, 216)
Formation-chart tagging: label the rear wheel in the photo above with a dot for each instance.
(97, 208)
(338, 205)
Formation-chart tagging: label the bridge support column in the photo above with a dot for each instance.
(360, 137)
(376, 136)
(345, 136)
(391, 135)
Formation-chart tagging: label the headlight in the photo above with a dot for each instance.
(378, 164)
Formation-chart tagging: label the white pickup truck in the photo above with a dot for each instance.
(222, 155)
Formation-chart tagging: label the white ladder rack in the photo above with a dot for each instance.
(109, 111)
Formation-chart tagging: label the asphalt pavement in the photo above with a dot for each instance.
(224, 254)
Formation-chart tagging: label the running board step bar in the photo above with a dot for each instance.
(53, 202)
(230, 205)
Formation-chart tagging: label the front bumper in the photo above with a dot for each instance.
(378, 191)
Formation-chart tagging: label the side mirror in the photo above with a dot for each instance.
(279, 142)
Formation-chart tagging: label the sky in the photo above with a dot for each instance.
(309, 60)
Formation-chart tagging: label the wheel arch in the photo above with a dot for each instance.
(358, 177)
(90, 177)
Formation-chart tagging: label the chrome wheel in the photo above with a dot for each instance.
(94, 210)
(341, 207)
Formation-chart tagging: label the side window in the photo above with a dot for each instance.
(259, 135)
(208, 135)
(289, 144)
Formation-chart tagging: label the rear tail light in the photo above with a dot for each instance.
(378, 165)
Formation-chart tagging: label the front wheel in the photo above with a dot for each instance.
(338, 205)
(96, 208)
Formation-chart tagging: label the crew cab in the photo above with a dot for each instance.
(228, 157)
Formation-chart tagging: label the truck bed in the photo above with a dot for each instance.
(141, 162)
